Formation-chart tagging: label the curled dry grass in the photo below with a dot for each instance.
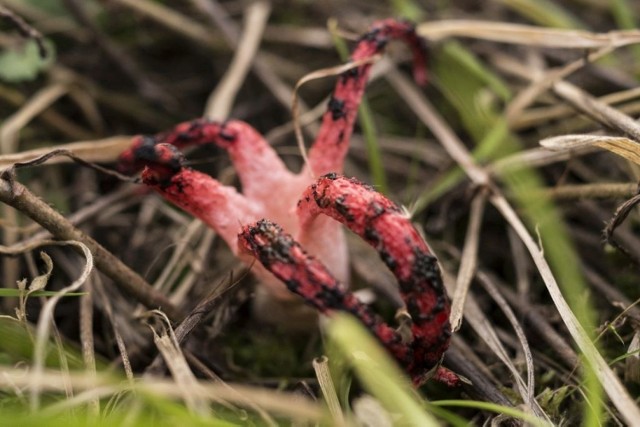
(550, 335)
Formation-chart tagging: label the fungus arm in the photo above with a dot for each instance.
(221, 207)
(304, 275)
(250, 153)
(330, 147)
(384, 225)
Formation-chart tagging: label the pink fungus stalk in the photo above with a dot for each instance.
(278, 212)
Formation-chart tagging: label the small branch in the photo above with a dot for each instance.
(18, 196)
(24, 29)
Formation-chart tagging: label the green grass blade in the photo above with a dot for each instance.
(380, 376)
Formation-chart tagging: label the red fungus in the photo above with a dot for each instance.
(253, 223)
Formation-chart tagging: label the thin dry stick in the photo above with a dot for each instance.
(194, 318)
(95, 209)
(25, 29)
(486, 331)
(50, 116)
(580, 100)
(18, 196)
(468, 261)
(178, 257)
(9, 143)
(197, 263)
(220, 101)
(538, 322)
(613, 387)
(536, 157)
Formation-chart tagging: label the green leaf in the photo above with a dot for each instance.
(379, 374)
(23, 63)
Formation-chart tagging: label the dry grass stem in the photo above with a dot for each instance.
(87, 341)
(526, 35)
(221, 100)
(614, 190)
(261, 65)
(624, 147)
(540, 115)
(537, 157)
(545, 80)
(469, 260)
(185, 380)
(287, 404)
(524, 343)
(100, 150)
(180, 255)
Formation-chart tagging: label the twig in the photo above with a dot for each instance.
(66, 153)
(18, 196)
(25, 29)
(618, 218)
